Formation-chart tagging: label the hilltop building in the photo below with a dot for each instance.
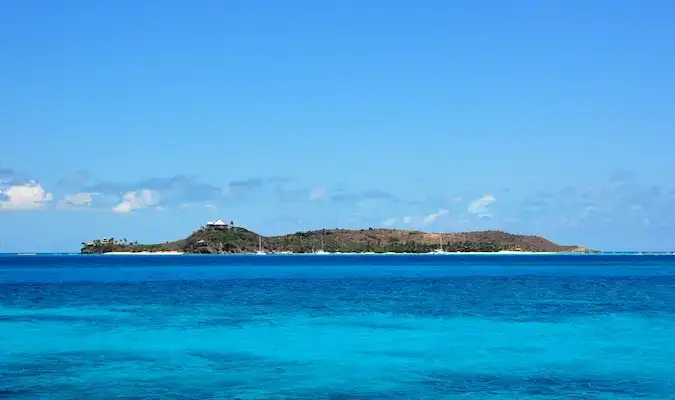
(218, 224)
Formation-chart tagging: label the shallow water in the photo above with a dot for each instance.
(337, 327)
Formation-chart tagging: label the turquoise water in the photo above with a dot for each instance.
(337, 327)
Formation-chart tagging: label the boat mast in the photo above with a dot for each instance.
(440, 239)
(260, 243)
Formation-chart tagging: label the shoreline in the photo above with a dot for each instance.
(504, 252)
(145, 253)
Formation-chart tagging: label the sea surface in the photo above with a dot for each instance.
(337, 327)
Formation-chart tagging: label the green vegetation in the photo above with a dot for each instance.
(224, 240)
(101, 247)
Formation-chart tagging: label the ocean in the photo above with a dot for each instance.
(337, 327)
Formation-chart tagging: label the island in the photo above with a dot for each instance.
(222, 238)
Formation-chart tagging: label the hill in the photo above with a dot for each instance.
(236, 240)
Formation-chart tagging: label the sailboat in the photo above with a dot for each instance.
(322, 244)
(440, 249)
(260, 251)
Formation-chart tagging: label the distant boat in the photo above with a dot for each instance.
(440, 249)
(260, 251)
(322, 245)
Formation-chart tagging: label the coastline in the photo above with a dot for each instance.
(144, 253)
(478, 253)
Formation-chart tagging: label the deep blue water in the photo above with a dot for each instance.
(337, 327)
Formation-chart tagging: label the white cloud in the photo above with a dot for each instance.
(389, 222)
(27, 196)
(419, 222)
(431, 218)
(135, 200)
(77, 200)
(480, 206)
(317, 193)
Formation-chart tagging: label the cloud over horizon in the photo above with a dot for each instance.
(77, 200)
(136, 200)
(18, 193)
(27, 196)
(431, 218)
(420, 221)
(480, 206)
(620, 201)
(366, 195)
(177, 191)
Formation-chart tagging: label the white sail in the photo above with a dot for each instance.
(322, 246)
(260, 250)
(440, 249)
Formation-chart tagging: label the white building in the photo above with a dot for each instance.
(216, 224)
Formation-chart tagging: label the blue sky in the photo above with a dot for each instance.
(144, 120)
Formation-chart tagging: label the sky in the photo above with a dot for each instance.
(145, 120)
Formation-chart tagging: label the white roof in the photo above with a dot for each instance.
(219, 223)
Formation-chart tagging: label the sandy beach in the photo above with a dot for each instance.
(142, 253)
(505, 252)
